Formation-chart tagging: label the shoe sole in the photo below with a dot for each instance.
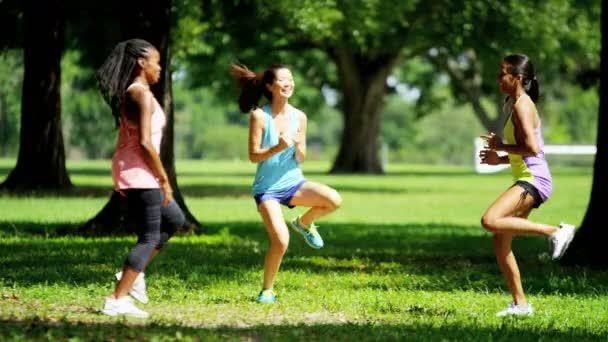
(566, 245)
(114, 314)
(305, 239)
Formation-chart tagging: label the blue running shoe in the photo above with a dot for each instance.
(310, 234)
(266, 296)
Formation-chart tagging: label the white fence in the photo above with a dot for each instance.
(549, 149)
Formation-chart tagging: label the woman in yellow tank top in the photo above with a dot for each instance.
(508, 215)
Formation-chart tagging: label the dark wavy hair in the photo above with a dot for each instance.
(521, 65)
(253, 85)
(118, 72)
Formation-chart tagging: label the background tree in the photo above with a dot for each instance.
(588, 246)
(363, 42)
(41, 158)
(560, 36)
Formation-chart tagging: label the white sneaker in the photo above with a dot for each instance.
(560, 240)
(138, 289)
(516, 310)
(123, 306)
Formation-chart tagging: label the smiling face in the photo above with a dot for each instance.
(283, 84)
(506, 81)
(151, 66)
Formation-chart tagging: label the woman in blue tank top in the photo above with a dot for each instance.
(277, 143)
(508, 215)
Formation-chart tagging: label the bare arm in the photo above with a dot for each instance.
(256, 129)
(525, 117)
(300, 139)
(143, 101)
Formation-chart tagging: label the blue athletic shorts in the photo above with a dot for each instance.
(283, 197)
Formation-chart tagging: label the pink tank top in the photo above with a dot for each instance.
(129, 168)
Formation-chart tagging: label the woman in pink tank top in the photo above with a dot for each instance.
(137, 171)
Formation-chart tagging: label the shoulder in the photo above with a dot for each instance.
(258, 114)
(299, 114)
(139, 93)
(524, 104)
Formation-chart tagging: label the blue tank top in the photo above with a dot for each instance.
(281, 171)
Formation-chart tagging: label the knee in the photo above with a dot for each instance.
(280, 245)
(335, 200)
(164, 238)
(488, 222)
(150, 239)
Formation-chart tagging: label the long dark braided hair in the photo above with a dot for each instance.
(118, 72)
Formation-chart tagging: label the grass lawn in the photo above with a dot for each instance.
(405, 259)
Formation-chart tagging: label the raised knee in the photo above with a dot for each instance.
(335, 200)
(488, 222)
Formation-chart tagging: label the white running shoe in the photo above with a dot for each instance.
(516, 310)
(138, 289)
(560, 240)
(123, 306)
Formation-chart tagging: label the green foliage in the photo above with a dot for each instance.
(88, 125)
(573, 116)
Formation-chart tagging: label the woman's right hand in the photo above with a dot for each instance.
(284, 142)
(489, 157)
(165, 187)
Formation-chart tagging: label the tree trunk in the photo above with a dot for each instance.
(41, 158)
(588, 246)
(152, 23)
(364, 85)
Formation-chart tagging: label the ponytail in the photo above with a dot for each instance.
(531, 88)
(250, 84)
(253, 85)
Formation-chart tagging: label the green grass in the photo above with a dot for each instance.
(405, 259)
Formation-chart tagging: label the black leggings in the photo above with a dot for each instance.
(155, 223)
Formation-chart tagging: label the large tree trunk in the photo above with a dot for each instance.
(588, 247)
(41, 158)
(151, 23)
(363, 82)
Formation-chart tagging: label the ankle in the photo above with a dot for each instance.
(302, 222)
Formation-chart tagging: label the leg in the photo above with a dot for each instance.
(508, 266)
(321, 198)
(504, 216)
(504, 254)
(272, 216)
(172, 218)
(146, 206)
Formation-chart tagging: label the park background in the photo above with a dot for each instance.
(413, 82)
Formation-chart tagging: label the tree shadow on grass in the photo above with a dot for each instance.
(510, 330)
(432, 257)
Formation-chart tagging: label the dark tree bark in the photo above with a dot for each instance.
(151, 23)
(364, 86)
(588, 246)
(41, 158)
